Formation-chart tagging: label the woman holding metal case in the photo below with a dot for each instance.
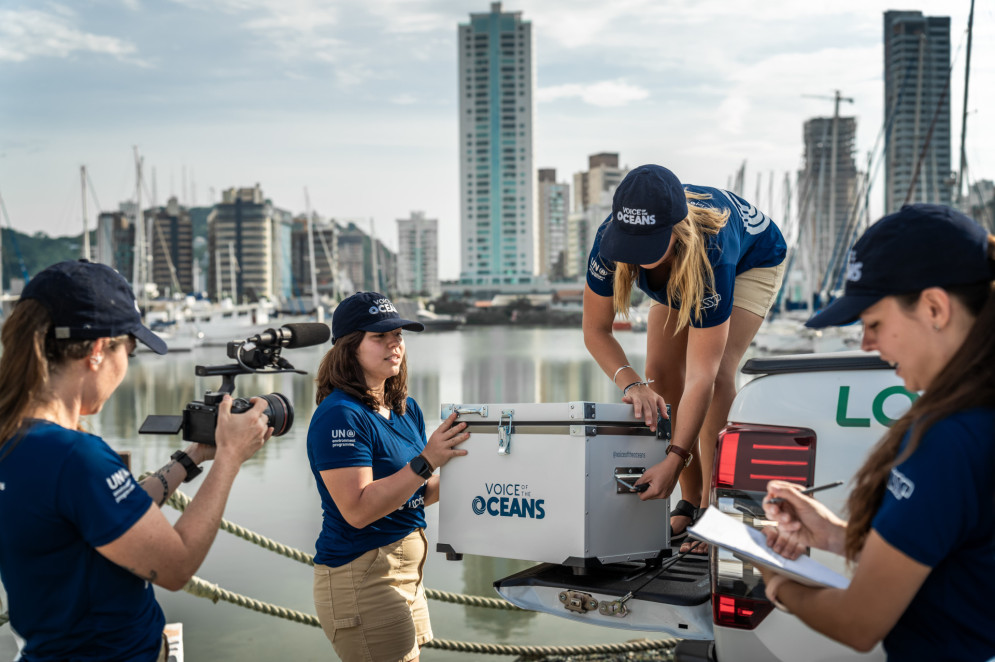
(712, 264)
(373, 468)
(80, 543)
(922, 512)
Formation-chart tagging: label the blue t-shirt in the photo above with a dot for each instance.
(748, 240)
(939, 509)
(64, 493)
(346, 433)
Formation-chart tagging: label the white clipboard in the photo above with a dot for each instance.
(749, 544)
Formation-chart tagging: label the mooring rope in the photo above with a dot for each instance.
(203, 589)
(180, 501)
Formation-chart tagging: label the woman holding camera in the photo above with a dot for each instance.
(373, 468)
(81, 542)
(922, 512)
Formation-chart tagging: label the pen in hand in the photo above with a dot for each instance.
(808, 490)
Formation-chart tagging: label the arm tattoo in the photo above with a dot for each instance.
(165, 485)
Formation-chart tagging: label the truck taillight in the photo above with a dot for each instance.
(746, 458)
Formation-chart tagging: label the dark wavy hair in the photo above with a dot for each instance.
(31, 351)
(340, 369)
(966, 382)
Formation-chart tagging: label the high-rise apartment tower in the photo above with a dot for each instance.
(917, 108)
(497, 205)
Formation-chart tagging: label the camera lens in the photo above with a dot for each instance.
(278, 409)
(280, 413)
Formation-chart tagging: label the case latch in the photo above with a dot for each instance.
(504, 432)
(578, 602)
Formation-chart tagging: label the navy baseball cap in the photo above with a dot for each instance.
(648, 203)
(917, 247)
(88, 300)
(368, 311)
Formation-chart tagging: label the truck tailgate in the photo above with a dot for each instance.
(675, 600)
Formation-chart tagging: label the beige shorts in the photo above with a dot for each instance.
(755, 290)
(373, 609)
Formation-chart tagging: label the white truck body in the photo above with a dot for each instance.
(847, 400)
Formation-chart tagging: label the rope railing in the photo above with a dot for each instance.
(180, 501)
(204, 589)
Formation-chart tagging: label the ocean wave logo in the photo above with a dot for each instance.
(478, 505)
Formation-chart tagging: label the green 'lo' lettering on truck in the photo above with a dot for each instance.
(877, 407)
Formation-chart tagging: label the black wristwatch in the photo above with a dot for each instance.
(192, 469)
(421, 467)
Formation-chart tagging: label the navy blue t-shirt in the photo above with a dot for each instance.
(748, 240)
(346, 433)
(939, 509)
(62, 494)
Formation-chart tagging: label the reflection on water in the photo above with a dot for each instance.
(275, 495)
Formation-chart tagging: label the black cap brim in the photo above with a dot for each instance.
(843, 311)
(394, 323)
(619, 246)
(150, 339)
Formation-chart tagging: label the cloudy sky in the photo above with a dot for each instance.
(356, 99)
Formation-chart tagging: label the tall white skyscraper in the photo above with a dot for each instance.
(418, 255)
(499, 242)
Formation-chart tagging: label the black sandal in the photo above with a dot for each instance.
(683, 509)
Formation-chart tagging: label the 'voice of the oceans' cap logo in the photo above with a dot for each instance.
(635, 216)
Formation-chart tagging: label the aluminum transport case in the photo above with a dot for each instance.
(550, 482)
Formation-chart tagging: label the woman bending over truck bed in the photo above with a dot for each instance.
(712, 263)
(922, 514)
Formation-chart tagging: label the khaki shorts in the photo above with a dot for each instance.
(755, 290)
(373, 609)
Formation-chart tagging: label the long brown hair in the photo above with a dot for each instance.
(340, 369)
(691, 276)
(31, 351)
(967, 381)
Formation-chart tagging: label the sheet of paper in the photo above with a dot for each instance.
(750, 544)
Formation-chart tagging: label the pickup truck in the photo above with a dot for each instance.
(808, 418)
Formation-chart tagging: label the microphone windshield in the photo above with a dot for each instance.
(306, 334)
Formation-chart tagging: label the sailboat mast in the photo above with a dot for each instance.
(86, 228)
(963, 124)
(138, 254)
(310, 253)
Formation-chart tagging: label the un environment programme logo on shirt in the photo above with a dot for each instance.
(120, 484)
(598, 269)
(508, 500)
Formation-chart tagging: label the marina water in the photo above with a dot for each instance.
(275, 496)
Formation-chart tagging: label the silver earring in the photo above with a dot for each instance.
(95, 360)
(936, 327)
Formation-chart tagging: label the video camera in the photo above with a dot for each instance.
(258, 354)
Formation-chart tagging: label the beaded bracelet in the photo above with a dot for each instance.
(625, 391)
(618, 371)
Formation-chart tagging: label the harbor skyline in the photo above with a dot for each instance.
(358, 101)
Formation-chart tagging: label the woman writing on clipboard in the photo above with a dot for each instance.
(922, 513)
